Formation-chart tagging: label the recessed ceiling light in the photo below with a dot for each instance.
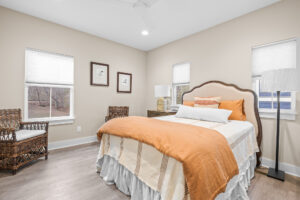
(145, 32)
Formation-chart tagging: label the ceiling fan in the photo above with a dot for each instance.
(141, 8)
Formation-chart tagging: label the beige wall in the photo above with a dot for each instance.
(224, 53)
(18, 31)
(220, 53)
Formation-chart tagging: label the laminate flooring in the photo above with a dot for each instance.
(70, 174)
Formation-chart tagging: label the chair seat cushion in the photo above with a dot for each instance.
(25, 134)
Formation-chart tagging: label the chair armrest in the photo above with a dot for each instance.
(107, 118)
(7, 134)
(34, 126)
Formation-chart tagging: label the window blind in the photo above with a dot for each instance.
(48, 68)
(274, 56)
(181, 73)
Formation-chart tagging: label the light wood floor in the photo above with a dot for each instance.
(70, 174)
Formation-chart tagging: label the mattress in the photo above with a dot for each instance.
(143, 172)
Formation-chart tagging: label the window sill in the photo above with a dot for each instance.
(273, 115)
(61, 122)
(53, 122)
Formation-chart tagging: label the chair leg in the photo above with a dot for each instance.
(14, 171)
(46, 156)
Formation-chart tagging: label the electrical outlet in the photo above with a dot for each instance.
(78, 129)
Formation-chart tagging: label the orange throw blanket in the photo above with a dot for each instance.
(207, 159)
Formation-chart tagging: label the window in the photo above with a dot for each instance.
(274, 56)
(181, 82)
(48, 87)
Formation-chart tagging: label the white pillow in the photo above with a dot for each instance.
(207, 114)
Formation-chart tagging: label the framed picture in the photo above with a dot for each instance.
(99, 74)
(124, 82)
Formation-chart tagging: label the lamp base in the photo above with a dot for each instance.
(161, 104)
(276, 174)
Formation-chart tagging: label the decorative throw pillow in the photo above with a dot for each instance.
(206, 114)
(237, 108)
(207, 102)
(189, 103)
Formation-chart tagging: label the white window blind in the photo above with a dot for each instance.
(43, 67)
(181, 82)
(181, 73)
(274, 56)
(49, 88)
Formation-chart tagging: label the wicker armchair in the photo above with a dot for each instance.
(21, 142)
(117, 111)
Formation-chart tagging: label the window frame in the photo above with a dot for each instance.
(289, 114)
(52, 120)
(174, 93)
(272, 113)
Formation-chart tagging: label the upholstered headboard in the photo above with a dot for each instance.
(231, 92)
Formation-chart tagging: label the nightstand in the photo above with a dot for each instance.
(155, 113)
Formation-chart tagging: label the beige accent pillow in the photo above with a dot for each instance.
(207, 102)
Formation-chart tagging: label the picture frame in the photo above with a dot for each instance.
(124, 82)
(99, 74)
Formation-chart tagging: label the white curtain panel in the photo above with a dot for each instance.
(43, 67)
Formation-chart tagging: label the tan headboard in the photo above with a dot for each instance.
(230, 92)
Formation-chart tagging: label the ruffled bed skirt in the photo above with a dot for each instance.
(114, 173)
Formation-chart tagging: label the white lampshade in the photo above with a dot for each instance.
(162, 91)
(285, 80)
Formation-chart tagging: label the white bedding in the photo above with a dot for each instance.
(148, 164)
(204, 113)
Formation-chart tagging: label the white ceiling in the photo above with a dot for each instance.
(123, 20)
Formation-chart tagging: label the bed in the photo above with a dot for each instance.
(142, 171)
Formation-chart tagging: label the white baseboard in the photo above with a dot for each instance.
(71, 142)
(288, 168)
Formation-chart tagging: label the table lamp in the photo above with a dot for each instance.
(163, 94)
(281, 80)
